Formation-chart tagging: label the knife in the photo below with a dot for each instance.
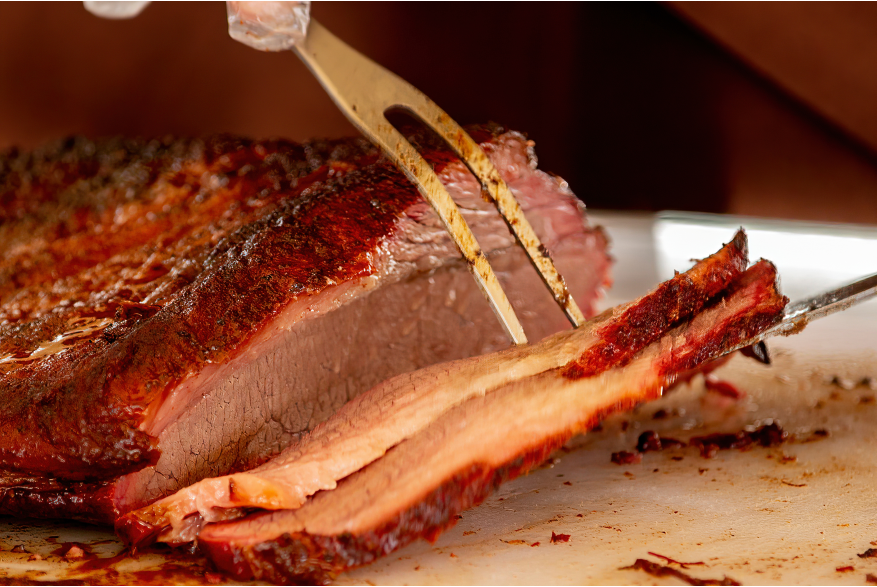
(798, 314)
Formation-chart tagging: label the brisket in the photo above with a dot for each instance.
(419, 487)
(173, 310)
(365, 428)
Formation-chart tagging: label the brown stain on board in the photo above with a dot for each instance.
(660, 571)
(177, 567)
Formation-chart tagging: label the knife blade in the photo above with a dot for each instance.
(798, 314)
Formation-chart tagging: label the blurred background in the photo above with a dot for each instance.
(766, 109)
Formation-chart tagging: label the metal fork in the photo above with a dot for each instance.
(365, 91)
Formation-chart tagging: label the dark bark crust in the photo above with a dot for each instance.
(676, 299)
(308, 559)
(88, 502)
(215, 237)
(753, 304)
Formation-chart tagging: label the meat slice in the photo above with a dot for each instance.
(418, 487)
(176, 310)
(368, 426)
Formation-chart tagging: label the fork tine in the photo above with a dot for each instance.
(480, 165)
(364, 91)
(421, 173)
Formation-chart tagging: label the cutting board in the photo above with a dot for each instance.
(800, 512)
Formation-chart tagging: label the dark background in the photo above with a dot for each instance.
(640, 106)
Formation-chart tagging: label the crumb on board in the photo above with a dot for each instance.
(559, 538)
(657, 570)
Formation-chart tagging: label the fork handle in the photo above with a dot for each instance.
(351, 80)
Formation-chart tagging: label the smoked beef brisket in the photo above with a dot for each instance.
(366, 427)
(173, 310)
(516, 407)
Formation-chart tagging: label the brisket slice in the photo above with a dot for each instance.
(369, 425)
(419, 486)
(173, 310)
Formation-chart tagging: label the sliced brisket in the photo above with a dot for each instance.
(418, 487)
(365, 428)
(172, 310)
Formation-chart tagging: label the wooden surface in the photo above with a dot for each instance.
(636, 108)
(822, 52)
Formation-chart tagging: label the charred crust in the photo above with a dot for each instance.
(752, 304)
(666, 306)
(271, 218)
(302, 558)
(136, 532)
(758, 285)
(86, 502)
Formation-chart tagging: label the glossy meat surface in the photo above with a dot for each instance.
(186, 269)
(365, 428)
(145, 285)
(418, 488)
(524, 403)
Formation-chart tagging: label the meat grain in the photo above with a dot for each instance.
(174, 310)
(417, 489)
(364, 429)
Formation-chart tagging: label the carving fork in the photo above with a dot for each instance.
(364, 91)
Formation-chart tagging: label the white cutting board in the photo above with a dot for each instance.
(748, 515)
